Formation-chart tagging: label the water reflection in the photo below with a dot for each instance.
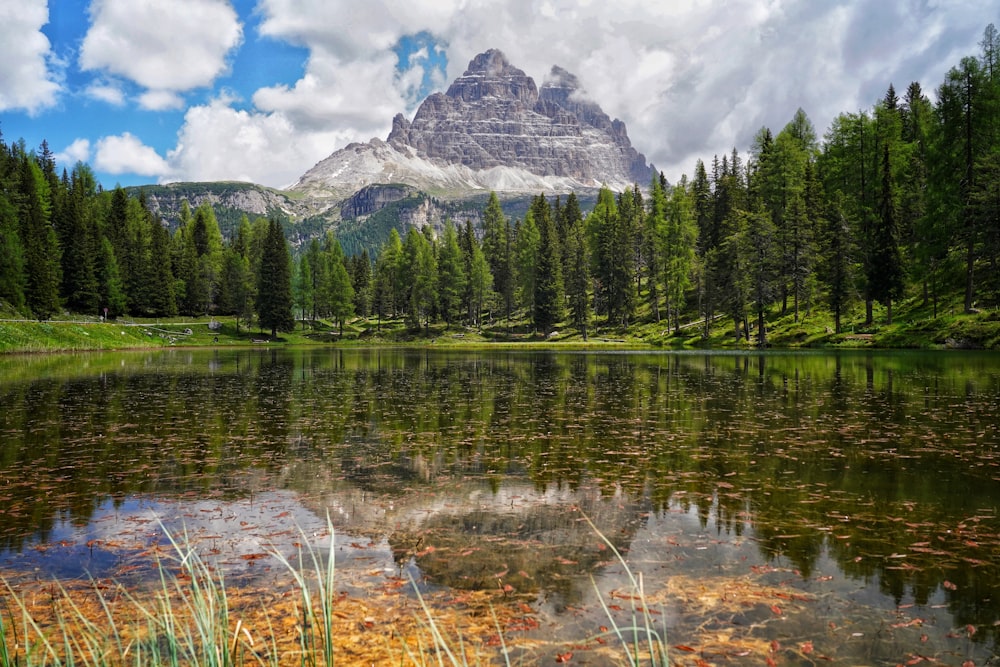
(881, 466)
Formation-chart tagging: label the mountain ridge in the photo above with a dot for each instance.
(493, 129)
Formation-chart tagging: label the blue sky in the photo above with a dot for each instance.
(152, 91)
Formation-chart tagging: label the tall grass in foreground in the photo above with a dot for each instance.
(643, 643)
(188, 620)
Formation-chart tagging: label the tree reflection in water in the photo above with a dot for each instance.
(868, 477)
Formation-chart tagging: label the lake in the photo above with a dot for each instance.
(783, 506)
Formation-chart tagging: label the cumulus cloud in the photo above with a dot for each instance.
(219, 142)
(78, 151)
(160, 100)
(162, 45)
(689, 79)
(27, 81)
(126, 154)
(109, 93)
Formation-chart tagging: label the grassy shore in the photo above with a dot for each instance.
(915, 326)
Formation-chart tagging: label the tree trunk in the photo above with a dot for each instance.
(970, 260)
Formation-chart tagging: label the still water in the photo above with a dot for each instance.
(838, 506)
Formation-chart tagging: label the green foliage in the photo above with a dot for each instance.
(451, 276)
(549, 296)
(274, 283)
(897, 202)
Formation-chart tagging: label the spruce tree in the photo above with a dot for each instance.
(12, 278)
(578, 280)
(549, 298)
(274, 282)
(41, 246)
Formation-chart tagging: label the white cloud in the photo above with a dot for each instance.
(27, 81)
(126, 154)
(219, 142)
(109, 93)
(162, 45)
(78, 151)
(160, 100)
(689, 79)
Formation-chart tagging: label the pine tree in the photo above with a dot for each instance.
(274, 282)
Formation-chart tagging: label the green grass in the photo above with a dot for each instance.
(915, 325)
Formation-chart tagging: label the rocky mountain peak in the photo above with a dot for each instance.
(490, 75)
(493, 129)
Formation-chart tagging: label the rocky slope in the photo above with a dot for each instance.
(492, 130)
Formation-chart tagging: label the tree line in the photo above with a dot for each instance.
(900, 198)
(66, 243)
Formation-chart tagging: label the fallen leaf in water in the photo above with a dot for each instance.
(564, 657)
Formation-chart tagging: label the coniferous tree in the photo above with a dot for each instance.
(12, 277)
(578, 280)
(388, 295)
(161, 300)
(757, 248)
(361, 281)
(79, 243)
(655, 242)
(836, 264)
(451, 279)
(679, 239)
(41, 245)
(526, 261)
(236, 281)
(419, 265)
(338, 287)
(479, 280)
(886, 268)
(549, 296)
(274, 282)
(302, 288)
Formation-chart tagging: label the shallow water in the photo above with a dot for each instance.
(822, 505)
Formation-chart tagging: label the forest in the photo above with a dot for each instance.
(901, 200)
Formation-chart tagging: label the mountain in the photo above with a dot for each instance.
(493, 129)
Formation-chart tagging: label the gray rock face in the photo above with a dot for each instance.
(494, 129)
(373, 198)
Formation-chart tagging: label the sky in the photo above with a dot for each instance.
(154, 91)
